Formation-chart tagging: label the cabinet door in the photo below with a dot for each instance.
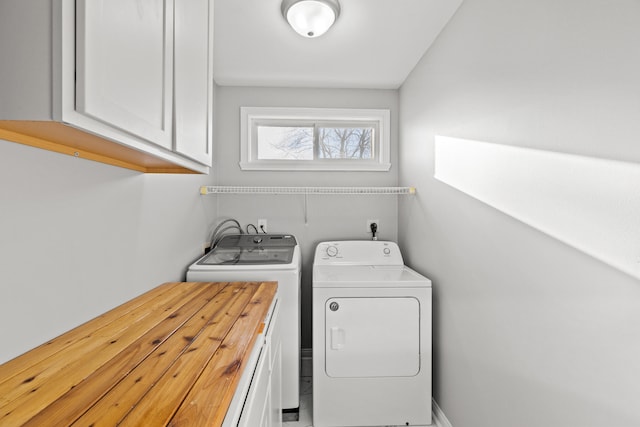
(256, 408)
(274, 344)
(194, 79)
(124, 65)
(275, 386)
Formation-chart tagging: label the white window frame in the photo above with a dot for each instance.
(381, 145)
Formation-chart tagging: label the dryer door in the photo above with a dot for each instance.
(372, 337)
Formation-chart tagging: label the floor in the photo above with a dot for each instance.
(306, 394)
(306, 404)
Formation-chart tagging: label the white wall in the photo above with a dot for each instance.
(78, 238)
(328, 217)
(528, 330)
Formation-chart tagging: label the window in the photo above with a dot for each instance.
(314, 139)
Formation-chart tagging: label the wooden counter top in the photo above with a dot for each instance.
(172, 356)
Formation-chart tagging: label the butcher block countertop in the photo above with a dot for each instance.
(170, 357)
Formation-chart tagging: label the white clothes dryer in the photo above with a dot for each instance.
(264, 257)
(371, 337)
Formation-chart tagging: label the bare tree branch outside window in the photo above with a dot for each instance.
(344, 143)
(298, 143)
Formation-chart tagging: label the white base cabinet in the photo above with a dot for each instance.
(125, 82)
(256, 408)
(258, 399)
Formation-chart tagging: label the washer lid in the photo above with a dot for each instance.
(251, 249)
(367, 276)
(248, 256)
(256, 241)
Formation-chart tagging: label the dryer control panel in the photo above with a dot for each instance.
(358, 252)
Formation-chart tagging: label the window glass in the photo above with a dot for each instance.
(345, 143)
(314, 139)
(285, 142)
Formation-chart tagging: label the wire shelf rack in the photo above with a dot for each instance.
(204, 190)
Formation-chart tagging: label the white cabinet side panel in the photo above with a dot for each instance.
(25, 71)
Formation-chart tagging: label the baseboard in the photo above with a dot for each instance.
(439, 419)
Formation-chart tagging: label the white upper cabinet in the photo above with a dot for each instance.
(128, 82)
(194, 79)
(124, 65)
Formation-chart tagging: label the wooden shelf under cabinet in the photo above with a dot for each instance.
(61, 138)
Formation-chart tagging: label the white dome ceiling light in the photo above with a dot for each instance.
(310, 18)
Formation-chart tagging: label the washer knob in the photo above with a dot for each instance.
(332, 251)
(386, 251)
(257, 239)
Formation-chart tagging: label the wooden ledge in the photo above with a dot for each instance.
(64, 139)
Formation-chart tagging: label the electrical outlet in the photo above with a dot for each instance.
(262, 226)
(371, 221)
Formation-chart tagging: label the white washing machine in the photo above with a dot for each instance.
(264, 257)
(371, 337)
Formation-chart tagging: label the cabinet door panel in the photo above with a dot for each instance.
(276, 387)
(194, 79)
(124, 66)
(255, 412)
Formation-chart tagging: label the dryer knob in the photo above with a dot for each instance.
(332, 251)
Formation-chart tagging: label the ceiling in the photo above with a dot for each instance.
(373, 44)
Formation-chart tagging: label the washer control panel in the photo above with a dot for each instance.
(358, 252)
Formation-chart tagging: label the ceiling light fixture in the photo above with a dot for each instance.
(310, 18)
